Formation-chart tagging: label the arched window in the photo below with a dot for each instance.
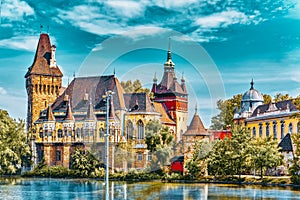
(274, 129)
(254, 132)
(267, 129)
(260, 129)
(101, 132)
(65, 132)
(282, 129)
(129, 130)
(77, 135)
(41, 133)
(140, 130)
(59, 133)
(298, 127)
(290, 128)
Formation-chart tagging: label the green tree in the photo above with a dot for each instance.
(229, 156)
(85, 163)
(14, 150)
(226, 107)
(134, 87)
(197, 165)
(294, 169)
(265, 154)
(159, 142)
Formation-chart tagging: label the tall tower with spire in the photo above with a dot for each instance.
(172, 95)
(43, 80)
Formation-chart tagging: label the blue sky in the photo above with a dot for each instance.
(219, 45)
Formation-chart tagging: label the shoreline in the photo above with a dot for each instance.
(262, 182)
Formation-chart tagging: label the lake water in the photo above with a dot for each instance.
(41, 189)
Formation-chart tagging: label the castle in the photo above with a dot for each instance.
(62, 119)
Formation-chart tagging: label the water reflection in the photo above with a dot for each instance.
(91, 189)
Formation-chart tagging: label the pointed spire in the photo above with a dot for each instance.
(252, 83)
(69, 114)
(196, 109)
(169, 56)
(182, 78)
(90, 112)
(174, 77)
(111, 109)
(50, 116)
(155, 78)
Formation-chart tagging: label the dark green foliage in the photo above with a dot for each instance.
(14, 150)
(85, 163)
(134, 87)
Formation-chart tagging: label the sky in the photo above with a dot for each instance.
(217, 45)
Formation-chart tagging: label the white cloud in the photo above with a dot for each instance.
(15, 10)
(127, 8)
(28, 43)
(174, 4)
(2, 91)
(222, 19)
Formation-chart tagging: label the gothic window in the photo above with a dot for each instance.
(298, 127)
(282, 129)
(140, 130)
(101, 132)
(41, 134)
(58, 155)
(267, 129)
(129, 130)
(48, 89)
(78, 132)
(254, 132)
(260, 129)
(59, 133)
(44, 89)
(36, 88)
(290, 128)
(65, 132)
(52, 89)
(275, 129)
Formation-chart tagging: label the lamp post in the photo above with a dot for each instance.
(107, 96)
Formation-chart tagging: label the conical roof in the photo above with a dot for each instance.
(196, 127)
(69, 115)
(90, 112)
(49, 114)
(43, 55)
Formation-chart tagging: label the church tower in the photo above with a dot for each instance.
(43, 80)
(173, 96)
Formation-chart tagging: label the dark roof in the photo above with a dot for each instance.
(138, 102)
(286, 143)
(177, 158)
(281, 106)
(95, 87)
(83, 88)
(41, 63)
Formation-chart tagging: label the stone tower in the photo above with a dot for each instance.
(43, 80)
(173, 96)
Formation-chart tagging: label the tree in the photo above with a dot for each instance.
(159, 142)
(134, 87)
(85, 163)
(197, 165)
(14, 150)
(267, 98)
(229, 156)
(265, 154)
(226, 107)
(281, 97)
(294, 169)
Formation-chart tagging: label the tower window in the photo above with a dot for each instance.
(59, 133)
(290, 128)
(267, 129)
(275, 129)
(282, 129)
(260, 129)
